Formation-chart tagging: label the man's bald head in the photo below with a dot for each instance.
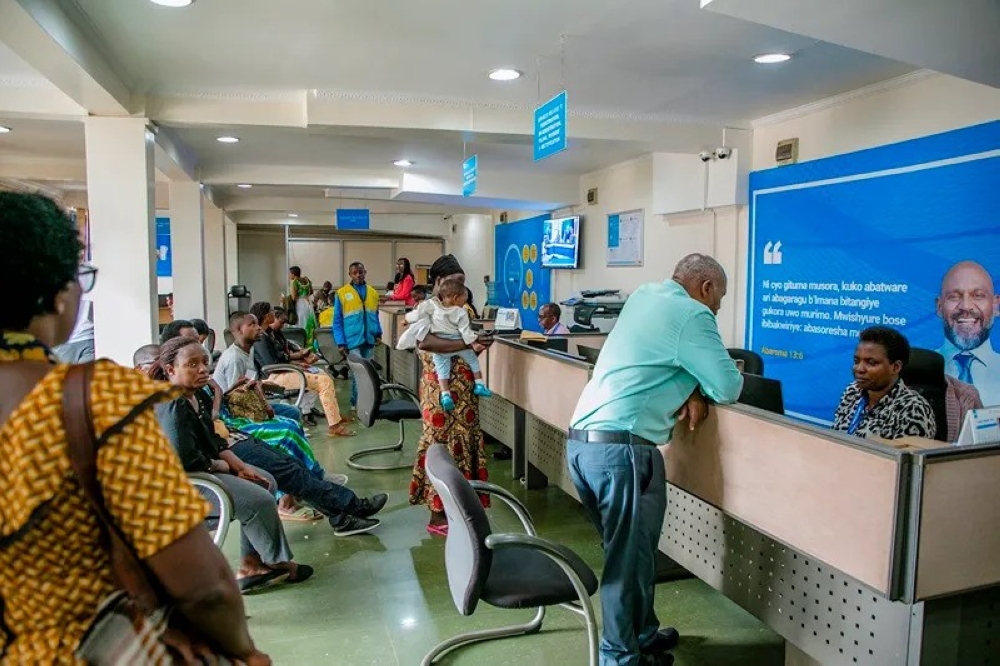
(703, 278)
(967, 304)
(145, 356)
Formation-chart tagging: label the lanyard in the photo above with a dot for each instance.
(859, 414)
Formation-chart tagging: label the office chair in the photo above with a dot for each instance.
(504, 570)
(372, 406)
(925, 375)
(279, 393)
(329, 350)
(295, 334)
(753, 363)
(221, 501)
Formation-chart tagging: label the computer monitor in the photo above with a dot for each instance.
(589, 353)
(762, 393)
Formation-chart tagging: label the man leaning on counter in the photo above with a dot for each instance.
(659, 363)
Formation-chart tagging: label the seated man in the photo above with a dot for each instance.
(548, 319)
(177, 328)
(877, 403)
(145, 356)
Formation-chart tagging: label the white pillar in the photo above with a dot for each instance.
(215, 271)
(232, 256)
(120, 195)
(187, 229)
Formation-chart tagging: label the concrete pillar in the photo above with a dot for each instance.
(187, 229)
(232, 256)
(120, 195)
(215, 271)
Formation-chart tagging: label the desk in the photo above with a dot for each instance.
(856, 552)
(401, 366)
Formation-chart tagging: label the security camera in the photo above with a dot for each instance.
(723, 153)
(705, 156)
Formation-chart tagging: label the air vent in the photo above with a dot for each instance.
(592, 196)
(787, 152)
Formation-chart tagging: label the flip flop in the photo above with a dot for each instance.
(302, 515)
(256, 582)
(303, 572)
(437, 530)
(339, 431)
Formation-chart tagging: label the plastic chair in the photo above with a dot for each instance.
(504, 570)
(207, 483)
(753, 363)
(373, 407)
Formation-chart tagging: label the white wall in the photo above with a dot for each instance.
(472, 245)
(215, 270)
(232, 254)
(906, 108)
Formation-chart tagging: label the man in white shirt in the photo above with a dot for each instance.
(548, 319)
(968, 305)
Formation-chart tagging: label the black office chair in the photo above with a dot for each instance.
(504, 570)
(372, 406)
(753, 363)
(925, 375)
(295, 334)
(329, 350)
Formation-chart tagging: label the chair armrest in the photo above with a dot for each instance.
(287, 367)
(510, 500)
(571, 563)
(212, 485)
(401, 389)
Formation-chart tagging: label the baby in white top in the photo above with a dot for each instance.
(449, 319)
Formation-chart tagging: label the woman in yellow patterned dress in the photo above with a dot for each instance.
(53, 569)
(458, 429)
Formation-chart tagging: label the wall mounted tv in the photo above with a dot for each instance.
(561, 243)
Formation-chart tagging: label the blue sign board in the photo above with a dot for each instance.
(470, 176)
(353, 219)
(522, 281)
(904, 236)
(550, 127)
(164, 250)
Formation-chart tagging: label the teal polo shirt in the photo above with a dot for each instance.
(664, 346)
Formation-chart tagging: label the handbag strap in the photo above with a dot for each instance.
(130, 573)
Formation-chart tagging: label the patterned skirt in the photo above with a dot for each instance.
(457, 430)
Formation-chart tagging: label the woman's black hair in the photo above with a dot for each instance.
(897, 347)
(43, 256)
(260, 309)
(296, 271)
(472, 305)
(201, 326)
(169, 351)
(407, 270)
(443, 267)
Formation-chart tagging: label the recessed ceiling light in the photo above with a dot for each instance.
(505, 74)
(172, 3)
(244, 186)
(403, 163)
(771, 58)
(293, 215)
(4, 130)
(228, 139)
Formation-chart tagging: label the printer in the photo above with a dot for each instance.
(595, 310)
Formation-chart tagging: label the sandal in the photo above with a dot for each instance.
(256, 582)
(437, 530)
(303, 514)
(339, 431)
(302, 572)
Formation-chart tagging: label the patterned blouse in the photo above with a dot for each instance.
(902, 412)
(53, 571)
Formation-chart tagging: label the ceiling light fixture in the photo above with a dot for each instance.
(4, 130)
(293, 215)
(505, 74)
(771, 58)
(228, 139)
(403, 163)
(244, 186)
(172, 3)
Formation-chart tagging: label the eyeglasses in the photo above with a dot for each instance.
(87, 277)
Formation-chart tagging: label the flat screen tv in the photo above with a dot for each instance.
(561, 243)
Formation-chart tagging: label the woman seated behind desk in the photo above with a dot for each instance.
(877, 403)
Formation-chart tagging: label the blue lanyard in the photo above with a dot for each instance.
(859, 414)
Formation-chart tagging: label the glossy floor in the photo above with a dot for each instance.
(382, 598)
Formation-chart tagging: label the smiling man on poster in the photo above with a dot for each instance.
(968, 305)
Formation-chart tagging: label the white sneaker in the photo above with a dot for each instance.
(339, 479)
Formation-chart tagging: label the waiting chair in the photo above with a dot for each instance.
(331, 352)
(296, 394)
(372, 406)
(753, 363)
(221, 502)
(925, 374)
(295, 334)
(504, 570)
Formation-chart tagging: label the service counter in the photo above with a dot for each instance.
(855, 551)
(400, 366)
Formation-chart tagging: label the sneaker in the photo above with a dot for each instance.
(665, 640)
(354, 525)
(338, 479)
(369, 507)
(482, 391)
(447, 402)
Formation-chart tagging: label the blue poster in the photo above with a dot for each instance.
(522, 282)
(353, 219)
(164, 250)
(905, 235)
(470, 176)
(550, 127)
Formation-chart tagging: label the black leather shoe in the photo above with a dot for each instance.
(659, 659)
(503, 453)
(666, 639)
(369, 507)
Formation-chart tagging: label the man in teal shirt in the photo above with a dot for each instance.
(662, 357)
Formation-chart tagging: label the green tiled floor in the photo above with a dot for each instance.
(382, 598)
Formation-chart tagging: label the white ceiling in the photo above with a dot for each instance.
(653, 57)
(41, 139)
